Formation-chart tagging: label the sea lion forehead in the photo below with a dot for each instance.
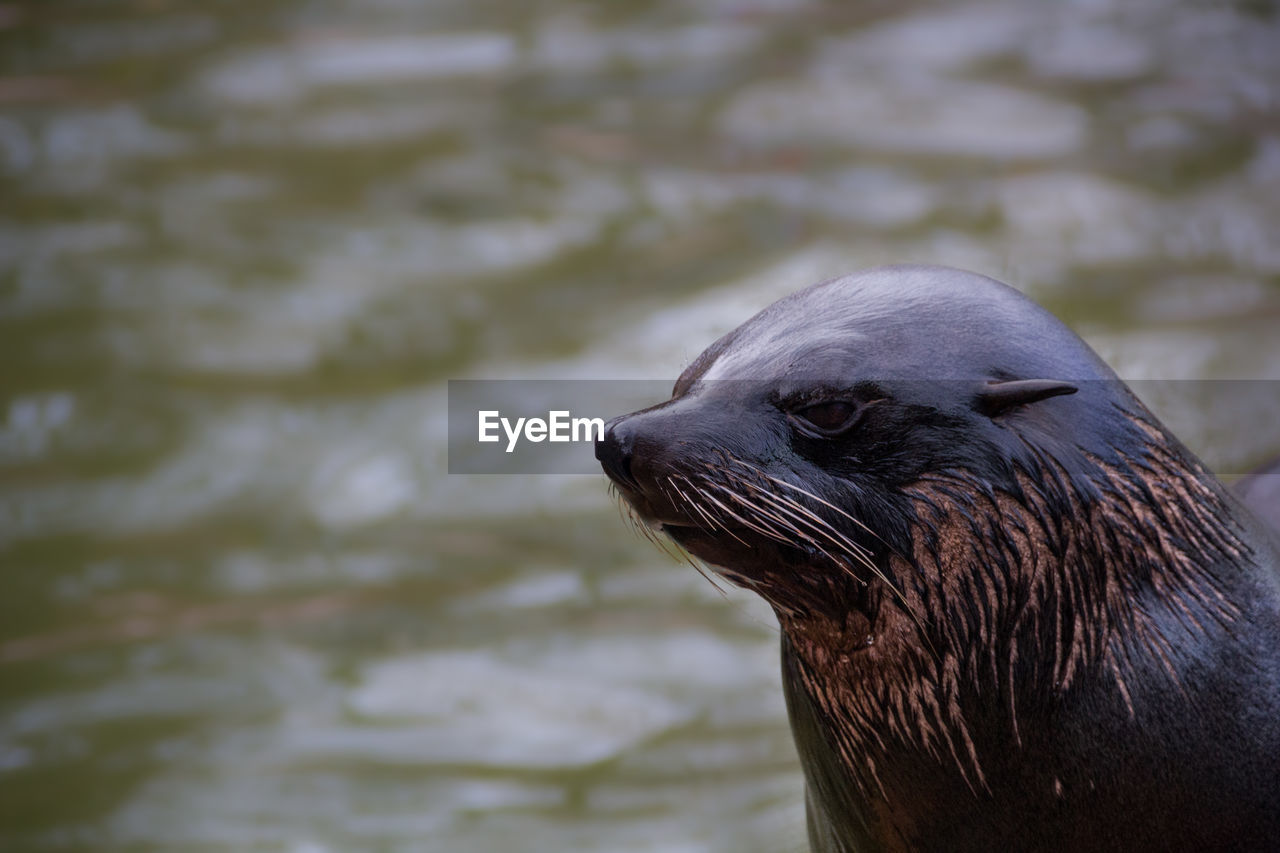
(917, 322)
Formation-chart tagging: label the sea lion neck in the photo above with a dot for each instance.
(830, 638)
(1017, 604)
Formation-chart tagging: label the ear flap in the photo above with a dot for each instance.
(997, 397)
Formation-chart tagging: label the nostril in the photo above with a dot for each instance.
(614, 453)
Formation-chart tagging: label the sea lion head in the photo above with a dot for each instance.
(792, 453)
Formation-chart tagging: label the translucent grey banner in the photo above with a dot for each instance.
(538, 426)
(549, 426)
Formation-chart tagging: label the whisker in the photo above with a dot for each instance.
(812, 496)
(815, 522)
(711, 525)
(860, 553)
(784, 524)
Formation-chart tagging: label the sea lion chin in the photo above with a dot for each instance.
(1016, 612)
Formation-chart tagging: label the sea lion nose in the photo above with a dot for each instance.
(614, 451)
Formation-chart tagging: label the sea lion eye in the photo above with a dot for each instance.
(826, 419)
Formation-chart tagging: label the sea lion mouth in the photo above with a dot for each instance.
(672, 526)
(746, 522)
(647, 511)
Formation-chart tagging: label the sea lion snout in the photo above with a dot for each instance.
(655, 455)
(613, 451)
(635, 443)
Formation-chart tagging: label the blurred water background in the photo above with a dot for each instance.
(243, 245)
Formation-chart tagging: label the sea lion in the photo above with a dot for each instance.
(1016, 612)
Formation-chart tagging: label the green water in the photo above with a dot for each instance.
(244, 245)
